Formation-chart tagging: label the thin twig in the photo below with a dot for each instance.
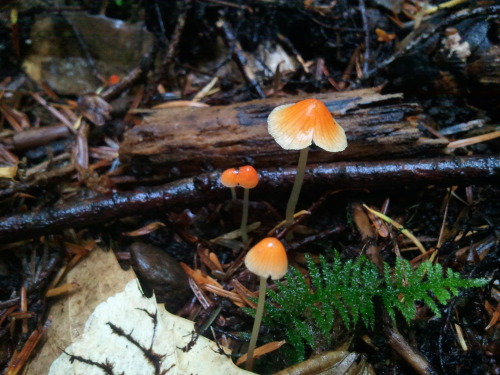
(176, 35)
(233, 44)
(364, 18)
(54, 112)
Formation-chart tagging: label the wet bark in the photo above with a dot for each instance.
(186, 141)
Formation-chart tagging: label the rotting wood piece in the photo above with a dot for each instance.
(205, 188)
(187, 141)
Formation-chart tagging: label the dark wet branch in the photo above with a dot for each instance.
(471, 170)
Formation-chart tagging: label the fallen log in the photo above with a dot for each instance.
(204, 188)
(187, 141)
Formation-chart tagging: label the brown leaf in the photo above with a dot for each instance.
(144, 230)
(383, 36)
(110, 310)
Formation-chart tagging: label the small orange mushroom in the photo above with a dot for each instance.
(229, 178)
(113, 79)
(266, 259)
(296, 127)
(248, 177)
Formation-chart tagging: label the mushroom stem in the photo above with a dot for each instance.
(244, 216)
(256, 323)
(233, 193)
(297, 185)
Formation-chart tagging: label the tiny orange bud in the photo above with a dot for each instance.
(248, 177)
(113, 79)
(229, 177)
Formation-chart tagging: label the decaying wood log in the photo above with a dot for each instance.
(187, 141)
(205, 187)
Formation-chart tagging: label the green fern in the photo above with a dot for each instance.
(347, 290)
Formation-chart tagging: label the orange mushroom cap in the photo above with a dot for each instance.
(229, 177)
(113, 79)
(267, 258)
(297, 126)
(248, 177)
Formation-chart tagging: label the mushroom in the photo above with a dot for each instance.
(229, 178)
(266, 259)
(296, 127)
(248, 179)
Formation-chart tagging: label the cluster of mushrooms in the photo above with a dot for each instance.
(294, 127)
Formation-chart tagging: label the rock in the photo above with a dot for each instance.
(57, 57)
(161, 273)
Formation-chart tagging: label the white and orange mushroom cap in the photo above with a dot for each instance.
(267, 258)
(229, 177)
(297, 126)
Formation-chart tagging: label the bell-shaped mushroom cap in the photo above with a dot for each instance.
(267, 258)
(229, 177)
(248, 177)
(296, 126)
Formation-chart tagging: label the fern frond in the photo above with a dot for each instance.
(347, 290)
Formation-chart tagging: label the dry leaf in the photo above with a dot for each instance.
(122, 329)
(338, 362)
(108, 320)
(8, 172)
(99, 276)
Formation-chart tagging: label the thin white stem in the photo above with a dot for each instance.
(233, 193)
(297, 185)
(256, 323)
(244, 217)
